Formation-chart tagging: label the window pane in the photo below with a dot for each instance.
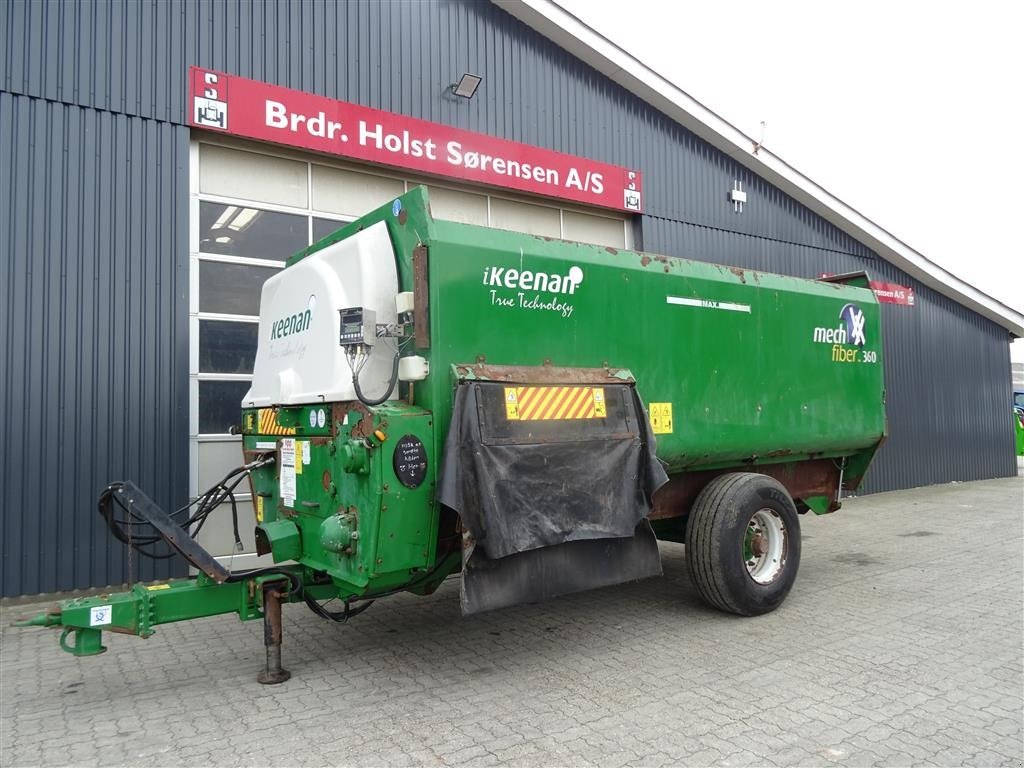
(524, 217)
(350, 193)
(594, 229)
(217, 536)
(252, 176)
(458, 206)
(226, 347)
(324, 227)
(220, 405)
(234, 230)
(232, 289)
(216, 459)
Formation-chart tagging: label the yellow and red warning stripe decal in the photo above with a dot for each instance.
(554, 403)
(268, 423)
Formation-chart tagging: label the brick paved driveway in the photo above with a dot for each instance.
(900, 644)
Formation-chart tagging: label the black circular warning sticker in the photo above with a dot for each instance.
(410, 461)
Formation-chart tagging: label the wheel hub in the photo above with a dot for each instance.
(765, 546)
(759, 545)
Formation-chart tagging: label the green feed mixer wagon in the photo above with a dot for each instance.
(432, 398)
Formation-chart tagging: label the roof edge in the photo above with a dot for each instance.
(573, 35)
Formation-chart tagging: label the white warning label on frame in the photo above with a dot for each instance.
(287, 484)
(100, 615)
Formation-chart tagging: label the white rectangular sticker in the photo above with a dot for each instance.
(287, 484)
(306, 453)
(100, 615)
(265, 445)
(707, 304)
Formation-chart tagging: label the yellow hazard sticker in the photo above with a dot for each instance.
(269, 425)
(661, 418)
(511, 404)
(259, 509)
(154, 587)
(299, 445)
(554, 403)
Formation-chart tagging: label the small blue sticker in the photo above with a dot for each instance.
(396, 207)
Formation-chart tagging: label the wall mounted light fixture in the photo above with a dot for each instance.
(467, 85)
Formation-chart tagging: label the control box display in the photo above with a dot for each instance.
(357, 326)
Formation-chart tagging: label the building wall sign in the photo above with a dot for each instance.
(242, 107)
(890, 293)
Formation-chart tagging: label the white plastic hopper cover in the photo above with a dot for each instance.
(298, 358)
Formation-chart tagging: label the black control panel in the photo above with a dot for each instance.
(357, 326)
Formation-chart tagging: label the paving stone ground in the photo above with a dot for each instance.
(901, 644)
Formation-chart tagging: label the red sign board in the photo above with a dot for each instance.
(242, 107)
(890, 293)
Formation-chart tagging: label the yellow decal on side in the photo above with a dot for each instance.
(554, 403)
(259, 509)
(511, 404)
(661, 418)
(298, 456)
(154, 587)
(269, 425)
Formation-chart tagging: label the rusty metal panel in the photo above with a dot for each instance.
(818, 477)
(421, 296)
(541, 374)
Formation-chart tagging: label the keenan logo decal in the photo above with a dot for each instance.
(526, 280)
(292, 324)
(532, 290)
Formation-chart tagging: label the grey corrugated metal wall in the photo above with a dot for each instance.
(94, 157)
(95, 342)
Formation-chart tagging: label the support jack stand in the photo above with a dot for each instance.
(272, 673)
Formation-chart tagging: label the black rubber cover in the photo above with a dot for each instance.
(541, 574)
(523, 485)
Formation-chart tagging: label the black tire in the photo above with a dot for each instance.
(716, 536)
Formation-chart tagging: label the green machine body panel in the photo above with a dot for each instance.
(363, 484)
(753, 366)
